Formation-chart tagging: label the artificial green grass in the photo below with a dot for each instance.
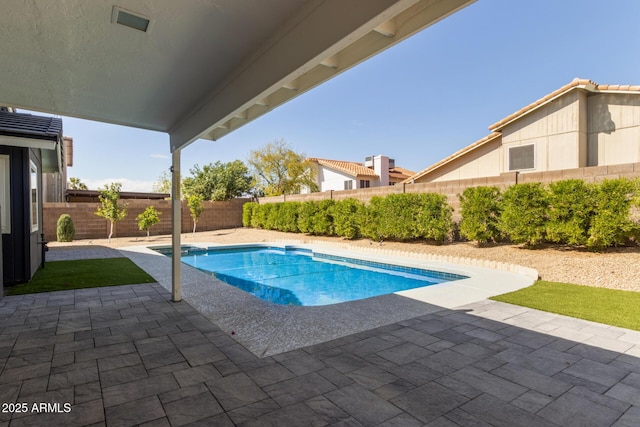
(86, 273)
(608, 306)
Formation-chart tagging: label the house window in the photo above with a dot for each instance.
(348, 184)
(33, 173)
(5, 211)
(522, 157)
(365, 183)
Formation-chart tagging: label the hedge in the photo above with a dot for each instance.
(569, 212)
(397, 216)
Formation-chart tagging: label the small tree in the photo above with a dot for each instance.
(277, 170)
(163, 184)
(148, 218)
(195, 208)
(76, 184)
(65, 231)
(109, 208)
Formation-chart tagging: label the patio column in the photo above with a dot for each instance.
(176, 227)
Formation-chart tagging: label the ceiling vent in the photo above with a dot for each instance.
(130, 19)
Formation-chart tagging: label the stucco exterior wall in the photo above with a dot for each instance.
(613, 129)
(333, 180)
(554, 129)
(484, 161)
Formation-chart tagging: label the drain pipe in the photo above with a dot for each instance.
(44, 248)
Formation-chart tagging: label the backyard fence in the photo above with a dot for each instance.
(216, 215)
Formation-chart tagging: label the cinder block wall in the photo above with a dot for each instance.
(216, 215)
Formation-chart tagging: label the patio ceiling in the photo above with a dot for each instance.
(202, 68)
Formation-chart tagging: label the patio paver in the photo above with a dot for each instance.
(127, 355)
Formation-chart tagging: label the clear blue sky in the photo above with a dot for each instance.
(417, 102)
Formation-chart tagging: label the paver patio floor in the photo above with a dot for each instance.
(127, 355)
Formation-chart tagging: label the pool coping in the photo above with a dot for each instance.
(267, 328)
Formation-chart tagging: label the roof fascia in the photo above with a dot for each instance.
(308, 51)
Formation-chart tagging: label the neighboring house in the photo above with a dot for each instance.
(376, 171)
(29, 146)
(581, 124)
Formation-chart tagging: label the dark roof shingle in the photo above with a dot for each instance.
(30, 126)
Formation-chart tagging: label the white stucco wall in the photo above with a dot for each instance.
(329, 179)
(613, 131)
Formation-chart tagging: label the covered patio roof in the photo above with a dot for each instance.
(196, 69)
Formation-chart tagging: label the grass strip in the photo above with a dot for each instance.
(86, 273)
(608, 306)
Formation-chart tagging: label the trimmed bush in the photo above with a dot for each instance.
(398, 216)
(347, 215)
(611, 224)
(287, 217)
(370, 219)
(434, 218)
(306, 212)
(65, 231)
(260, 214)
(480, 208)
(322, 219)
(247, 213)
(407, 217)
(571, 209)
(524, 213)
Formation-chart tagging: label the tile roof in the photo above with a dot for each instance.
(586, 84)
(350, 168)
(400, 173)
(30, 126)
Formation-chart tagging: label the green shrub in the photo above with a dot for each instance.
(306, 211)
(571, 208)
(247, 213)
(287, 217)
(259, 216)
(322, 220)
(524, 213)
(480, 209)
(406, 217)
(611, 224)
(433, 221)
(271, 211)
(370, 218)
(347, 218)
(398, 216)
(65, 231)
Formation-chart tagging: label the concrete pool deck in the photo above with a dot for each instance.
(126, 355)
(267, 329)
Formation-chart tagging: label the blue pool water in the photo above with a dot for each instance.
(301, 277)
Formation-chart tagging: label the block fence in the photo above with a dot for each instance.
(216, 215)
(451, 189)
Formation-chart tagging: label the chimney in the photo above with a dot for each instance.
(381, 167)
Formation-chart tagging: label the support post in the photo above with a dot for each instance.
(176, 227)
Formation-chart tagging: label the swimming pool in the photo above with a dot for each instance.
(299, 276)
